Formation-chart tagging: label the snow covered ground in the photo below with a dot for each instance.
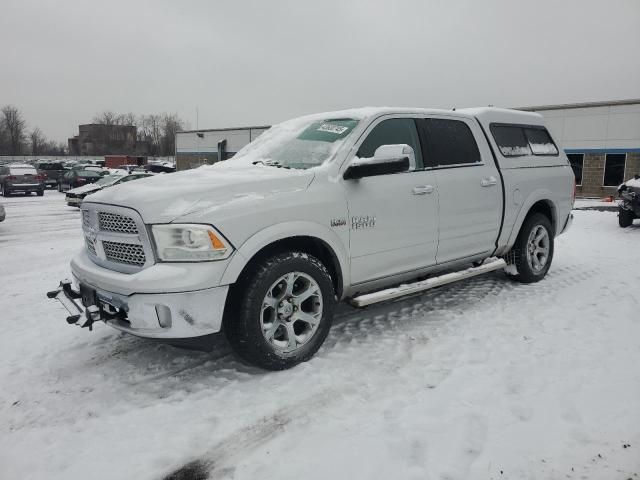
(485, 379)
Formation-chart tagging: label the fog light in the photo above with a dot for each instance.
(164, 316)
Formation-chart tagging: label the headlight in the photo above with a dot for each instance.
(189, 243)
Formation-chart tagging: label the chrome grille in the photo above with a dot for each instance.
(85, 219)
(91, 247)
(114, 222)
(127, 253)
(116, 237)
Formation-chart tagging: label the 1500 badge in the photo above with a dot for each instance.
(362, 221)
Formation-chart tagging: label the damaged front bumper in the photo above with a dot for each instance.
(162, 316)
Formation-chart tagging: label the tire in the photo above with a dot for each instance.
(266, 329)
(60, 187)
(531, 257)
(40, 193)
(625, 217)
(5, 192)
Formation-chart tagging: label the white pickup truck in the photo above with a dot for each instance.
(362, 205)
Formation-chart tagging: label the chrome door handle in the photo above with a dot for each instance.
(422, 189)
(489, 181)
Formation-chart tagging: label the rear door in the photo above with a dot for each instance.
(393, 218)
(469, 188)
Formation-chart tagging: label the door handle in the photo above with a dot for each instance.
(489, 181)
(422, 189)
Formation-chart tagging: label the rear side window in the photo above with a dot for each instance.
(392, 132)
(448, 142)
(540, 141)
(519, 140)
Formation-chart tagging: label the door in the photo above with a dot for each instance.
(469, 188)
(392, 218)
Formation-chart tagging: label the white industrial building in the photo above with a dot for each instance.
(202, 147)
(601, 139)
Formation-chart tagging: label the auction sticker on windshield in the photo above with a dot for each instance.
(328, 130)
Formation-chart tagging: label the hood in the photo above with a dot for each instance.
(89, 187)
(165, 198)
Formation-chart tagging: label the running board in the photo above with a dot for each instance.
(409, 288)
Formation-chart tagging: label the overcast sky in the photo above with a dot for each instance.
(260, 62)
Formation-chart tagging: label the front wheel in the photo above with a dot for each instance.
(533, 251)
(625, 217)
(281, 313)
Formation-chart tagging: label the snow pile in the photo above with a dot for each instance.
(477, 380)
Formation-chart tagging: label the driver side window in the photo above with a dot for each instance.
(392, 132)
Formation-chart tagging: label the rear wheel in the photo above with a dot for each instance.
(5, 191)
(625, 217)
(533, 251)
(281, 314)
(59, 187)
(40, 193)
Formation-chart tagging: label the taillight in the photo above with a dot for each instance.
(41, 176)
(12, 177)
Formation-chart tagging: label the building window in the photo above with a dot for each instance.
(576, 160)
(614, 169)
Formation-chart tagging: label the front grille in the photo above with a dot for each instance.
(127, 253)
(114, 222)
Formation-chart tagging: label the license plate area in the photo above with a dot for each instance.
(89, 296)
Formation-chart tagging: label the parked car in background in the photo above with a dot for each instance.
(51, 172)
(21, 178)
(75, 196)
(3, 214)
(629, 204)
(77, 178)
(132, 168)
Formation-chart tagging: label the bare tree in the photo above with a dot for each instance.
(171, 124)
(38, 141)
(107, 118)
(127, 119)
(14, 126)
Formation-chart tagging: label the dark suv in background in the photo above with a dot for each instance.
(51, 172)
(20, 178)
(76, 178)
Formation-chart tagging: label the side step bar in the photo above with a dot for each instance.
(407, 289)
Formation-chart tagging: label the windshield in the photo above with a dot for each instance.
(109, 179)
(299, 145)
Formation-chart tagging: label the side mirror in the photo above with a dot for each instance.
(387, 159)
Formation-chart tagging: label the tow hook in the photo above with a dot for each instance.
(67, 296)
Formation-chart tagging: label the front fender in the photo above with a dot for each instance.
(281, 231)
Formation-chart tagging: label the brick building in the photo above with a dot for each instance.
(98, 139)
(601, 140)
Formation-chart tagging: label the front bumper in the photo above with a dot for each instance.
(163, 316)
(73, 201)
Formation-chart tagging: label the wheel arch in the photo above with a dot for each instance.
(316, 240)
(538, 202)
